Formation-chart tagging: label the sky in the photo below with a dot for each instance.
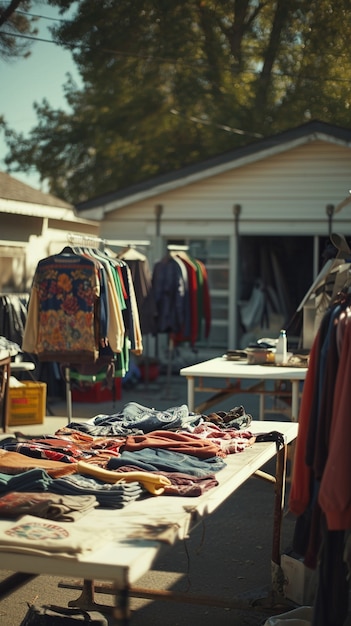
(25, 81)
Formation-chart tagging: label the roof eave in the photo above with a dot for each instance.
(38, 210)
(182, 179)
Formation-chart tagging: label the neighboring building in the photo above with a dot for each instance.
(33, 225)
(255, 215)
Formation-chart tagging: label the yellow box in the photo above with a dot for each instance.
(27, 404)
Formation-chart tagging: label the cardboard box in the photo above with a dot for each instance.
(27, 403)
(299, 584)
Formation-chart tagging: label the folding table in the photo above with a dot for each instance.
(230, 374)
(134, 537)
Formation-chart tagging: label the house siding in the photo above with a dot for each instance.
(283, 193)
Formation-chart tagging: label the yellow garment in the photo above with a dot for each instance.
(30, 335)
(154, 483)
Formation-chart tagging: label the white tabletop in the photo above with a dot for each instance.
(220, 367)
(126, 554)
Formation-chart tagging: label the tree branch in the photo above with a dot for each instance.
(10, 9)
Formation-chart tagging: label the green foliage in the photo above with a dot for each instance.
(16, 29)
(170, 83)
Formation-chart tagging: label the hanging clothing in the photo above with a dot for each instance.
(142, 281)
(322, 447)
(182, 297)
(83, 313)
(190, 327)
(169, 289)
(13, 316)
(62, 312)
(203, 300)
(335, 488)
(320, 492)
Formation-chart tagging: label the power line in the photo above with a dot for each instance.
(46, 17)
(43, 17)
(128, 55)
(252, 46)
(31, 38)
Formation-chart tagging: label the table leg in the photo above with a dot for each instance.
(261, 406)
(279, 501)
(86, 598)
(122, 610)
(295, 400)
(277, 576)
(4, 392)
(68, 394)
(191, 393)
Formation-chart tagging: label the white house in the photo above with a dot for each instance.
(33, 225)
(258, 215)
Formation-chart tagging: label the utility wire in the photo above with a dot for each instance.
(44, 17)
(120, 53)
(253, 45)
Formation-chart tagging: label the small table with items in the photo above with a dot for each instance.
(232, 373)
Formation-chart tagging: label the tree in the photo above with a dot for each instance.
(166, 84)
(16, 29)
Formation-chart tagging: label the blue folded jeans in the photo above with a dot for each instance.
(135, 417)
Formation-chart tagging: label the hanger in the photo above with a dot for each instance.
(68, 250)
(84, 241)
(131, 254)
(341, 245)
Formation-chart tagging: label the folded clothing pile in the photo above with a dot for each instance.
(65, 508)
(113, 496)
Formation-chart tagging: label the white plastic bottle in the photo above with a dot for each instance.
(281, 348)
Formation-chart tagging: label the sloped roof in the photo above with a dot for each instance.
(13, 189)
(17, 198)
(254, 151)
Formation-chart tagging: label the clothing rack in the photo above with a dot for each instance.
(177, 248)
(118, 333)
(127, 243)
(85, 240)
(90, 241)
(102, 243)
